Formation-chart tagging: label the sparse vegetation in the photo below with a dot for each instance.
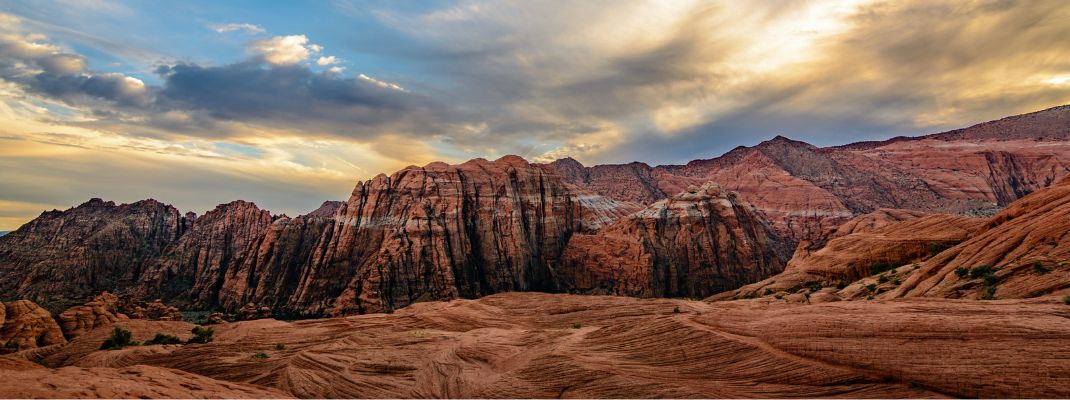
(768, 291)
(119, 338)
(201, 335)
(1066, 300)
(897, 281)
(1039, 268)
(815, 286)
(778, 296)
(576, 325)
(841, 284)
(939, 247)
(981, 271)
(962, 272)
(259, 356)
(882, 279)
(871, 287)
(880, 268)
(161, 338)
(280, 346)
(10, 347)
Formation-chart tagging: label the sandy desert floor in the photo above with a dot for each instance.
(543, 345)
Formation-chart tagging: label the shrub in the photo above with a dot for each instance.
(841, 284)
(989, 293)
(962, 272)
(897, 281)
(779, 296)
(258, 356)
(119, 338)
(1039, 268)
(201, 335)
(815, 286)
(981, 271)
(676, 310)
(576, 325)
(882, 279)
(280, 346)
(768, 291)
(880, 267)
(871, 287)
(1066, 300)
(163, 339)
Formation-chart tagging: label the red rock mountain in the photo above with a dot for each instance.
(463, 231)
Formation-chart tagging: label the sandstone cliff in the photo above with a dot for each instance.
(700, 242)
(63, 257)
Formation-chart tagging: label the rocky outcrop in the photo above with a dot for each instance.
(700, 242)
(1024, 251)
(154, 311)
(442, 231)
(192, 271)
(63, 257)
(25, 325)
(867, 245)
(100, 312)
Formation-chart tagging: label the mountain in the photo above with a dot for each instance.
(482, 227)
(971, 171)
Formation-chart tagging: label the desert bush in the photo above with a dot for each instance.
(938, 247)
(1039, 268)
(258, 356)
(280, 346)
(841, 284)
(962, 272)
(981, 271)
(815, 286)
(163, 339)
(1066, 300)
(119, 338)
(676, 310)
(576, 325)
(880, 267)
(882, 279)
(201, 335)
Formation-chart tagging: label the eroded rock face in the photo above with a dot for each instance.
(100, 312)
(700, 242)
(26, 326)
(63, 257)
(439, 232)
(1026, 249)
(868, 244)
(192, 271)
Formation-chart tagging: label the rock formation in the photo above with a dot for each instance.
(26, 325)
(100, 312)
(866, 245)
(191, 272)
(1024, 251)
(700, 242)
(63, 257)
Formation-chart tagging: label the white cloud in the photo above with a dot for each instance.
(284, 50)
(231, 27)
(328, 60)
(382, 84)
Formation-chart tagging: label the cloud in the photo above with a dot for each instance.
(283, 50)
(327, 60)
(233, 27)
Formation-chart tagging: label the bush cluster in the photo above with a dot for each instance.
(119, 338)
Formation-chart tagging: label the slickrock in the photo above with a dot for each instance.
(700, 242)
(534, 345)
(192, 271)
(26, 325)
(874, 244)
(156, 310)
(139, 381)
(102, 311)
(63, 257)
(1024, 251)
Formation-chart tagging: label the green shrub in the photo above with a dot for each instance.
(989, 293)
(981, 271)
(882, 279)
(1039, 268)
(962, 272)
(576, 325)
(163, 339)
(871, 287)
(897, 281)
(778, 296)
(201, 335)
(280, 346)
(119, 338)
(768, 291)
(841, 284)
(1066, 300)
(258, 356)
(815, 286)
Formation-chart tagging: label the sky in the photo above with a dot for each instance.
(288, 104)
